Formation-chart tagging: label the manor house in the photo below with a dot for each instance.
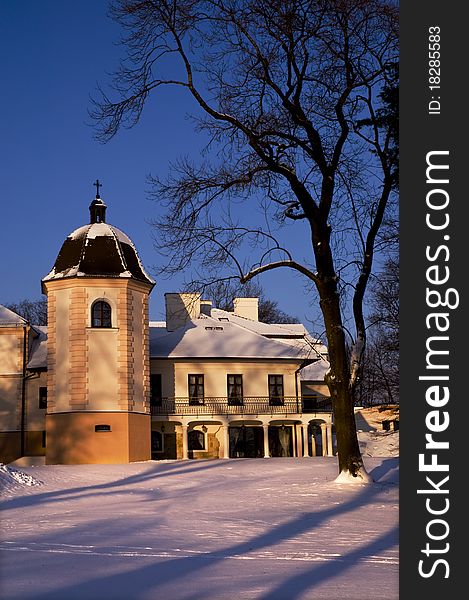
(103, 384)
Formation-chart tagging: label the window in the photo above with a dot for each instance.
(103, 427)
(196, 389)
(100, 314)
(235, 390)
(155, 390)
(42, 397)
(275, 389)
(196, 440)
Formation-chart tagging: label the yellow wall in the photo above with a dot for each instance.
(11, 381)
(165, 368)
(11, 350)
(255, 380)
(93, 368)
(11, 372)
(10, 402)
(138, 317)
(102, 369)
(58, 349)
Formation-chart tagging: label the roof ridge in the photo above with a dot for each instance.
(263, 337)
(119, 249)
(83, 246)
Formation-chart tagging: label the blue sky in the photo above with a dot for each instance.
(55, 52)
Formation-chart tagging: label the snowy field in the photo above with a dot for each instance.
(278, 529)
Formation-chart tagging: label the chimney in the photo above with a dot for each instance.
(180, 309)
(206, 307)
(247, 308)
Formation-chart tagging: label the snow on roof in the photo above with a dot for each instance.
(98, 250)
(94, 230)
(201, 338)
(207, 338)
(8, 318)
(265, 329)
(315, 371)
(293, 334)
(38, 351)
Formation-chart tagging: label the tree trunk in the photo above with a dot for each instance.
(338, 381)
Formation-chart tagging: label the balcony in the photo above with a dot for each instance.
(248, 406)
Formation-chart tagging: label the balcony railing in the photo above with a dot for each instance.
(246, 406)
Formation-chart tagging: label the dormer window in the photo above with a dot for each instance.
(101, 314)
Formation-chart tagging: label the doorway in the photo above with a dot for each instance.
(281, 441)
(246, 442)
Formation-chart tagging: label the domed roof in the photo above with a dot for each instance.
(98, 250)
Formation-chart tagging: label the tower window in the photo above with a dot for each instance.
(101, 314)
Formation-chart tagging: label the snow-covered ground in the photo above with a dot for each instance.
(378, 443)
(278, 529)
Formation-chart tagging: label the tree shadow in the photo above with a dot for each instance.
(387, 471)
(154, 472)
(294, 586)
(150, 578)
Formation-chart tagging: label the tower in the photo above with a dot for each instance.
(98, 348)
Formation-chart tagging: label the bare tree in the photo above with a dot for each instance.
(385, 302)
(34, 311)
(379, 382)
(222, 293)
(289, 93)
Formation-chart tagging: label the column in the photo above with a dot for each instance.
(185, 443)
(329, 439)
(266, 441)
(305, 441)
(324, 439)
(313, 445)
(297, 441)
(226, 441)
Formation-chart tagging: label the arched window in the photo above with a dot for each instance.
(100, 314)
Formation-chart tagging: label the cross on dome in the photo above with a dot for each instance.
(97, 184)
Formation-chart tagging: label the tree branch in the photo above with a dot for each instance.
(275, 265)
